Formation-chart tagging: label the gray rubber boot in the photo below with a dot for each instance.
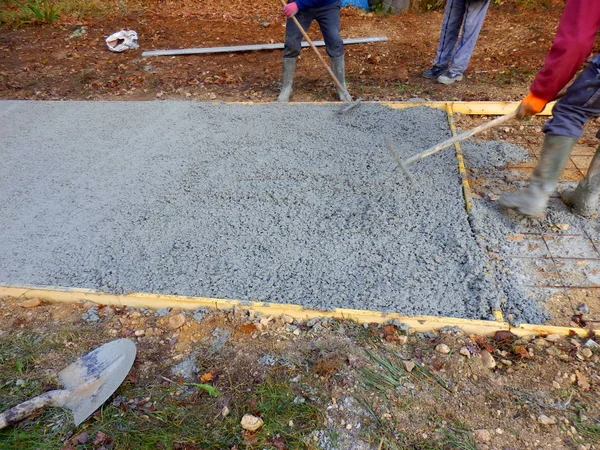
(533, 200)
(289, 67)
(584, 198)
(339, 70)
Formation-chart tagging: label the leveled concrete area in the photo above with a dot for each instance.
(281, 203)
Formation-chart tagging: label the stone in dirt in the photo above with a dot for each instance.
(553, 337)
(91, 315)
(408, 365)
(187, 368)
(442, 348)
(251, 423)
(482, 435)
(487, 359)
(545, 420)
(162, 312)
(31, 303)
(176, 321)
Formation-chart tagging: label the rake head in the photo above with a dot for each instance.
(396, 156)
(350, 106)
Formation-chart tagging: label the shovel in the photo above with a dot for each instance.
(88, 383)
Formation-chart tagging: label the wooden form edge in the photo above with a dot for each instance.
(470, 108)
(157, 301)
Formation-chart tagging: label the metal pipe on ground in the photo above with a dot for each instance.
(252, 47)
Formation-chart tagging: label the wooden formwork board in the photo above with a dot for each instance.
(157, 301)
(470, 108)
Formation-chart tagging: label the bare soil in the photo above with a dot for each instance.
(42, 62)
(368, 387)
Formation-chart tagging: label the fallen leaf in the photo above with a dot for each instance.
(505, 337)
(578, 319)
(521, 351)
(582, 381)
(206, 377)
(248, 328)
(80, 438)
(101, 439)
(479, 340)
(278, 442)
(389, 330)
(515, 237)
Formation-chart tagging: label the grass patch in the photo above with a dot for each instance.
(458, 437)
(46, 12)
(23, 12)
(178, 416)
(590, 431)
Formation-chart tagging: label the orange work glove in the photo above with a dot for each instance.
(530, 106)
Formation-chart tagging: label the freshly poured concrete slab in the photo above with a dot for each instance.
(280, 203)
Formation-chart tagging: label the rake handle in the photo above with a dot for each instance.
(26, 409)
(461, 137)
(310, 42)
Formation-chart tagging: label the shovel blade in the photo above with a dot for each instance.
(94, 377)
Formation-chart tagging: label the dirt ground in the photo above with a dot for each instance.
(319, 384)
(322, 384)
(43, 62)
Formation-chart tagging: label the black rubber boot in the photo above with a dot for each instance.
(289, 67)
(584, 198)
(339, 70)
(532, 201)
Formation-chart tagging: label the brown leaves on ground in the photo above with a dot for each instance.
(249, 328)
(582, 381)
(328, 364)
(521, 351)
(207, 377)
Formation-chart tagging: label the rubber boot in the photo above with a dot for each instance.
(533, 200)
(584, 198)
(289, 66)
(338, 67)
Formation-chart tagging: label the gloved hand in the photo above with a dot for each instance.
(290, 9)
(530, 106)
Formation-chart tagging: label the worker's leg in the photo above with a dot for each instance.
(473, 20)
(453, 19)
(571, 113)
(291, 51)
(584, 198)
(580, 104)
(533, 200)
(328, 18)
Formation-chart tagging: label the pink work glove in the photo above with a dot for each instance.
(290, 9)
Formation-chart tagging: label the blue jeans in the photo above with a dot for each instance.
(465, 14)
(328, 18)
(580, 104)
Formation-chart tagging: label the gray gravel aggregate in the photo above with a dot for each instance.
(279, 203)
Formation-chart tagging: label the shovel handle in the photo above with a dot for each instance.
(25, 409)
